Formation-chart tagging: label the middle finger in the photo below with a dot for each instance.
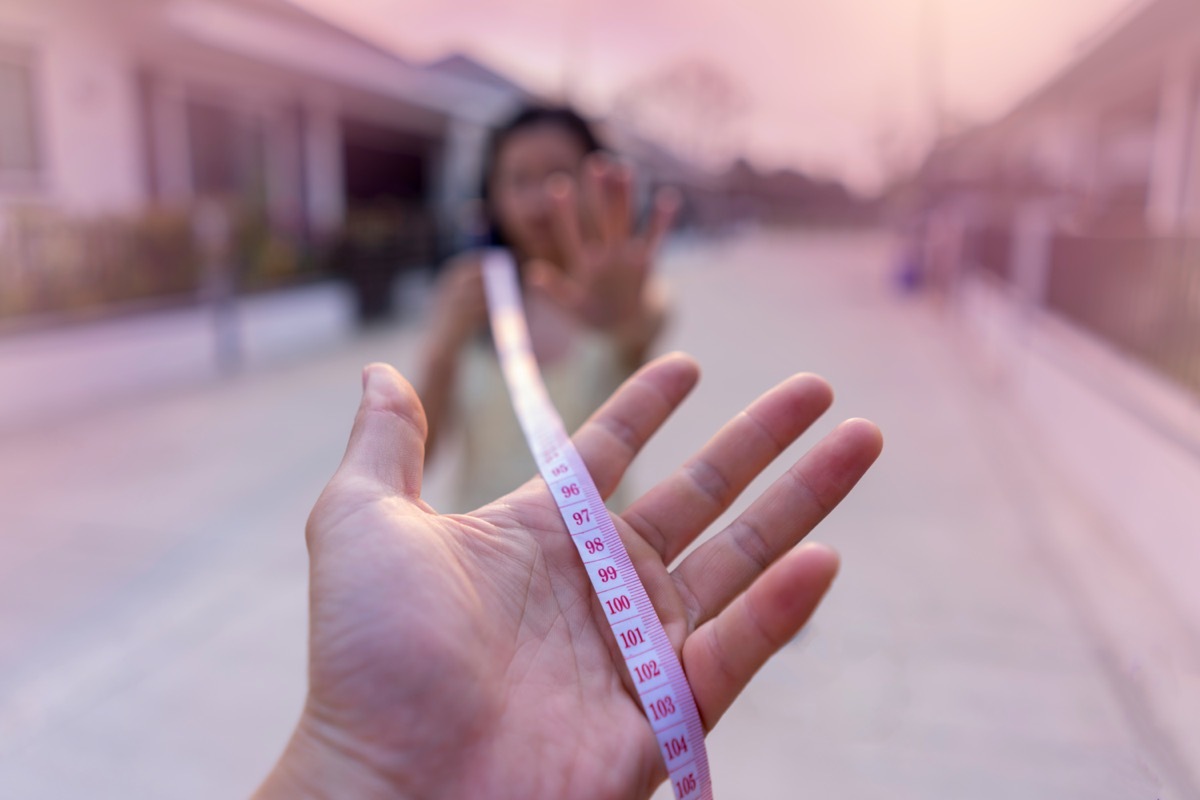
(677, 510)
(594, 198)
(565, 219)
(619, 189)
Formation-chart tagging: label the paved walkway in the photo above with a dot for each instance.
(152, 569)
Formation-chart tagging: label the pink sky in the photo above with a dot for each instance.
(833, 87)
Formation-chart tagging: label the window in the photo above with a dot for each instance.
(18, 127)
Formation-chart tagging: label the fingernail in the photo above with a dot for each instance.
(820, 552)
(373, 379)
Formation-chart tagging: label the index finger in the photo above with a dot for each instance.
(680, 507)
(616, 433)
(619, 205)
(565, 214)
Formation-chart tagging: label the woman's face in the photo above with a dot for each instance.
(523, 208)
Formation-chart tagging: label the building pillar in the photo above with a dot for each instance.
(324, 172)
(1190, 201)
(171, 143)
(285, 171)
(1033, 240)
(1170, 165)
(457, 182)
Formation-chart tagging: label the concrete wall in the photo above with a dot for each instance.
(1127, 439)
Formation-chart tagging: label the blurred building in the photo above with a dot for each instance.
(1114, 133)
(1085, 198)
(789, 197)
(1066, 238)
(111, 106)
(112, 109)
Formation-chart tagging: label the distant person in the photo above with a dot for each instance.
(465, 656)
(565, 208)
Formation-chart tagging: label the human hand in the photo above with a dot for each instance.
(606, 279)
(467, 656)
(460, 306)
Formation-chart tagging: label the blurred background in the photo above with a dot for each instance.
(978, 220)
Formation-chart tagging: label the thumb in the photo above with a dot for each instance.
(387, 443)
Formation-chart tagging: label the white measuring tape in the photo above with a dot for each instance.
(657, 674)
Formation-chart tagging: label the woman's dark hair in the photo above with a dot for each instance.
(529, 116)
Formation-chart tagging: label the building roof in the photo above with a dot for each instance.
(1118, 68)
(460, 65)
(282, 33)
(295, 13)
(1149, 31)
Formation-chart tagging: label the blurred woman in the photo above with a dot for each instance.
(564, 208)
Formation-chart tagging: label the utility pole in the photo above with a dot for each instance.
(929, 59)
(576, 38)
(212, 228)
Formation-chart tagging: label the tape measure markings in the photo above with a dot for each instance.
(658, 676)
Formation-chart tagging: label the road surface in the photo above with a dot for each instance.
(152, 566)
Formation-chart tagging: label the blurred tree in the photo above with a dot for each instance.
(691, 106)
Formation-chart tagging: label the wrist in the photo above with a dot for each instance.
(318, 765)
(639, 330)
(636, 328)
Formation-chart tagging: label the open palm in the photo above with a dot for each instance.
(466, 655)
(606, 277)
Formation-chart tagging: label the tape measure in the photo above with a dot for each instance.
(653, 665)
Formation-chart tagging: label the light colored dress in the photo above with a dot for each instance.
(495, 458)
